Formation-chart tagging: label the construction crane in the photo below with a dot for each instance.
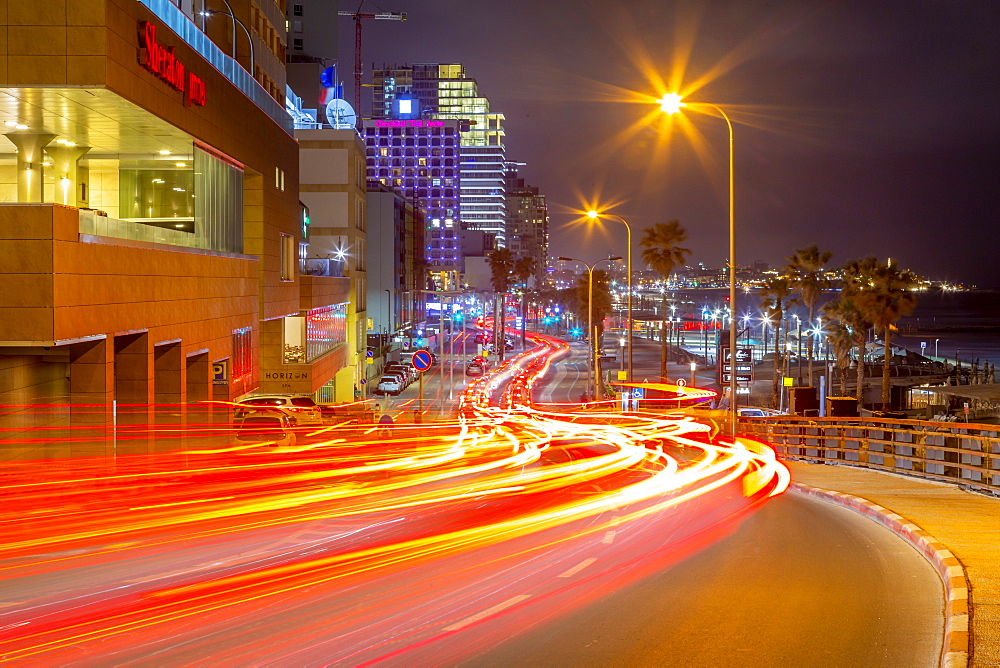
(358, 16)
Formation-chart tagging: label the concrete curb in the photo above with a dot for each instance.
(958, 641)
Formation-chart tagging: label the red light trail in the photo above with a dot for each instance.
(153, 555)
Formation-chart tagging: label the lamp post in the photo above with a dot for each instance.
(628, 270)
(798, 349)
(591, 366)
(210, 12)
(671, 103)
(388, 313)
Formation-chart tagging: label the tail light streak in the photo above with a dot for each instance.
(492, 453)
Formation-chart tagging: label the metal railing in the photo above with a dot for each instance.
(964, 454)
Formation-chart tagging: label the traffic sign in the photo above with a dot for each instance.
(744, 365)
(369, 353)
(638, 393)
(421, 360)
(681, 382)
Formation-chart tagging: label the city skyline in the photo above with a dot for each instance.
(865, 122)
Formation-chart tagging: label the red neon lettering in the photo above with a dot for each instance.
(161, 61)
(195, 93)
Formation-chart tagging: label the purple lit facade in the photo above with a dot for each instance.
(420, 159)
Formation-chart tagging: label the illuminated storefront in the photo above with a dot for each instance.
(136, 220)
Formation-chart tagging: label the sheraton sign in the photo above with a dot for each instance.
(161, 61)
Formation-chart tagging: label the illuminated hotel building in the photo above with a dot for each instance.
(151, 235)
(437, 91)
(420, 159)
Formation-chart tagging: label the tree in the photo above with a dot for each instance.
(845, 328)
(805, 269)
(883, 294)
(523, 269)
(662, 252)
(501, 270)
(602, 299)
(776, 296)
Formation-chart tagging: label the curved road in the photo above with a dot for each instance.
(801, 583)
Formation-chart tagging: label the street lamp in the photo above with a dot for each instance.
(591, 366)
(628, 270)
(671, 103)
(210, 12)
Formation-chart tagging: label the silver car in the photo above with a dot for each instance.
(303, 409)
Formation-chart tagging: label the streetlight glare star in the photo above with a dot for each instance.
(671, 103)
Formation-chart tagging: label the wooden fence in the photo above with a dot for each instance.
(965, 454)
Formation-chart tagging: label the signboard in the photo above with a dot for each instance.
(220, 372)
(409, 124)
(421, 360)
(744, 365)
(160, 60)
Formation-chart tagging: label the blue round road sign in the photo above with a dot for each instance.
(421, 360)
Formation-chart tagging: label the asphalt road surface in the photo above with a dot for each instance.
(800, 583)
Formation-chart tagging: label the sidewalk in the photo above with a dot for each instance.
(964, 523)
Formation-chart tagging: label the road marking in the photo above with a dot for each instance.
(579, 567)
(609, 538)
(487, 613)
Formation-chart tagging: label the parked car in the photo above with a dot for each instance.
(399, 372)
(754, 411)
(266, 427)
(405, 367)
(389, 385)
(302, 408)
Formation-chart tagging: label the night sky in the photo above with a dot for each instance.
(863, 126)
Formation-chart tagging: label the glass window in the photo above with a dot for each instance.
(196, 202)
(294, 340)
(242, 354)
(326, 328)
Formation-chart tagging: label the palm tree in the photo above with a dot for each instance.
(841, 341)
(523, 269)
(602, 299)
(662, 252)
(883, 293)
(845, 329)
(775, 298)
(805, 268)
(501, 270)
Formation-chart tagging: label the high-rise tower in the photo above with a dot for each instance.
(442, 91)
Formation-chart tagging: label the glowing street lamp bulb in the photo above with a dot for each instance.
(671, 103)
(592, 214)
